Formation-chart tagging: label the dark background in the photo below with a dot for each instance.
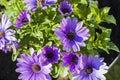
(7, 67)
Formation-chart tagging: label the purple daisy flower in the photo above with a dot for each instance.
(31, 68)
(70, 59)
(23, 19)
(6, 35)
(90, 68)
(65, 8)
(50, 55)
(45, 3)
(72, 34)
(31, 4)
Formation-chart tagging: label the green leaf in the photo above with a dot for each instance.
(14, 56)
(110, 19)
(55, 71)
(105, 10)
(112, 46)
(83, 1)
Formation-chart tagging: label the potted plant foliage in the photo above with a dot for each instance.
(57, 39)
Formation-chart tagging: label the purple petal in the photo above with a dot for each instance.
(74, 23)
(10, 32)
(66, 45)
(79, 26)
(60, 34)
(6, 23)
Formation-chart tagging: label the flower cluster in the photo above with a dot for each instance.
(72, 33)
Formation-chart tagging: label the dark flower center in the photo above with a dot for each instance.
(2, 34)
(41, 1)
(88, 70)
(50, 55)
(25, 21)
(65, 10)
(74, 59)
(70, 35)
(36, 67)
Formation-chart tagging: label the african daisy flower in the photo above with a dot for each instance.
(50, 55)
(6, 35)
(90, 68)
(65, 8)
(45, 3)
(31, 68)
(72, 34)
(70, 59)
(23, 19)
(31, 4)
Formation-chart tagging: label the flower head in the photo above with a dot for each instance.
(31, 68)
(31, 4)
(71, 34)
(90, 68)
(6, 35)
(45, 3)
(50, 55)
(65, 8)
(23, 19)
(70, 59)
